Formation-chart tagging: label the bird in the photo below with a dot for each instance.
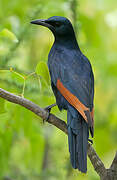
(72, 82)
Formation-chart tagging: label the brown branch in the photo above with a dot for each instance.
(95, 160)
(114, 163)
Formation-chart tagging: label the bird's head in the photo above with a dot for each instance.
(60, 26)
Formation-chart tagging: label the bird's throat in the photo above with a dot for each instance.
(68, 42)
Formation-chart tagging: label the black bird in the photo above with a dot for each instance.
(72, 82)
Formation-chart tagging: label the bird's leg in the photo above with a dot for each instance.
(48, 109)
(90, 141)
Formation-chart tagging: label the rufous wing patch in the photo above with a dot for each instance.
(73, 100)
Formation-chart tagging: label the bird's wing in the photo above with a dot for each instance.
(75, 82)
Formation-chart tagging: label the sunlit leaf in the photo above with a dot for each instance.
(42, 70)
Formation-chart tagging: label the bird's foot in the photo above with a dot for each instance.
(90, 141)
(48, 109)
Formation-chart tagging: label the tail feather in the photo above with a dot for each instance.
(82, 142)
(72, 147)
(78, 140)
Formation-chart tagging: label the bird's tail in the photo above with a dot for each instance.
(78, 139)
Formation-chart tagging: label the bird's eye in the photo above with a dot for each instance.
(57, 24)
(54, 24)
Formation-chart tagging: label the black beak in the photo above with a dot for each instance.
(42, 22)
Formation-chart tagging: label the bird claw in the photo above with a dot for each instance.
(46, 119)
(90, 141)
(48, 109)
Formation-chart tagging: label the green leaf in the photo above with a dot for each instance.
(42, 70)
(8, 34)
(2, 105)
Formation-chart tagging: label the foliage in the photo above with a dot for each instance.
(30, 149)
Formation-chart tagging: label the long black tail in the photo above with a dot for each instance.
(78, 139)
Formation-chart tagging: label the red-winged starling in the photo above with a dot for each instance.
(72, 82)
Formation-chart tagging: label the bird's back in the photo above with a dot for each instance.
(75, 71)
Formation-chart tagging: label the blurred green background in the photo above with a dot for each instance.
(29, 149)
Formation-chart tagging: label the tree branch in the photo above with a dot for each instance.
(34, 108)
(95, 160)
(114, 163)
